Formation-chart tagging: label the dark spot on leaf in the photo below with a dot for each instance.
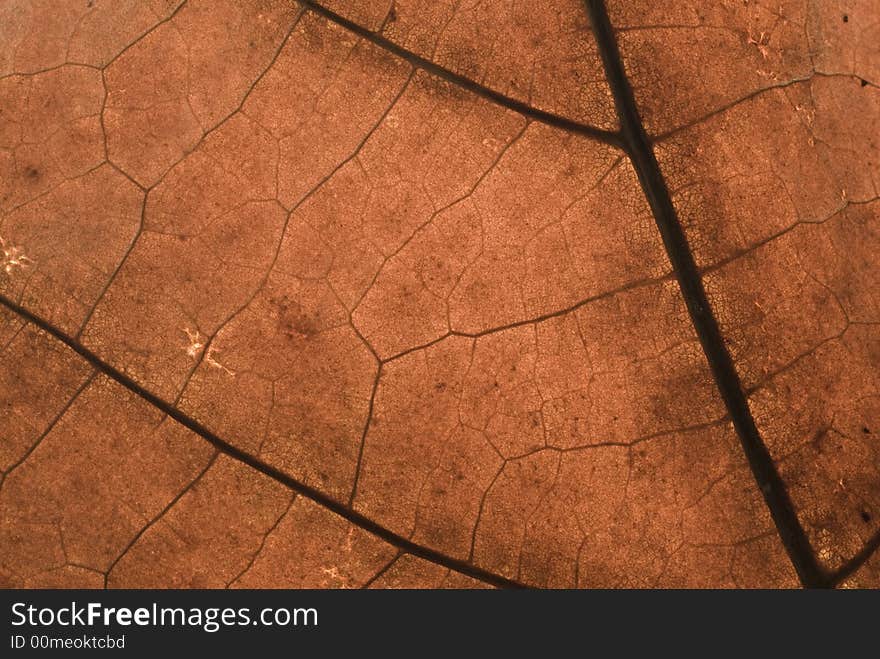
(817, 439)
(866, 516)
(866, 430)
(32, 173)
(293, 321)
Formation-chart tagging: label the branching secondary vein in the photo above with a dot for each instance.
(549, 118)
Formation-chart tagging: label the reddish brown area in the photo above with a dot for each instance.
(305, 314)
(777, 184)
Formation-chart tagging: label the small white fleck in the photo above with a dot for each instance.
(333, 573)
(761, 43)
(195, 343)
(13, 257)
(211, 361)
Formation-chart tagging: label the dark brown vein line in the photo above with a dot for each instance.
(638, 146)
(256, 554)
(748, 97)
(142, 35)
(146, 190)
(549, 118)
(360, 459)
(847, 569)
(85, 383)
(116, 270)
(381, 572)
(159, 516)
(254, 462)
(533, 320)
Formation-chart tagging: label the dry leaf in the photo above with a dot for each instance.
(399, 293)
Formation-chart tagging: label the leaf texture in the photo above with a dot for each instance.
(421, 294)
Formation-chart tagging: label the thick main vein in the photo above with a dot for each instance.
(542, 116)
(356, 518)
(640, 151)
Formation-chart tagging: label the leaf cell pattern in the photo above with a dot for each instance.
(409, 294)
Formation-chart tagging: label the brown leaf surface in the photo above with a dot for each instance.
(408, 294)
